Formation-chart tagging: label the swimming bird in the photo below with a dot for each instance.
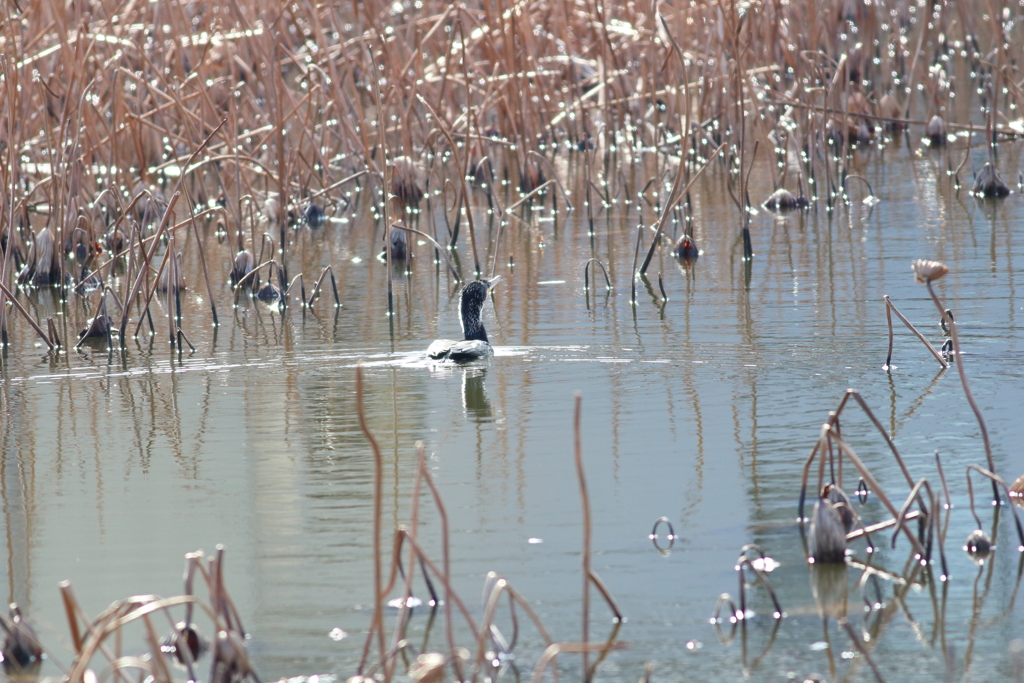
(399, 246)
(475, 344)
(314, 215)
(686, 248)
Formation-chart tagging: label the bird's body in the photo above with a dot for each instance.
(399, 249)
(462, 351)
(475, 345)
(314, 215)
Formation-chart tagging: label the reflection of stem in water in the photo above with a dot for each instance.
(16, 494)
(1013, 597)
(749, 666)
(860, 648)
(828, 649)
(691, 390)
(394, 434)
(915, 404)
(979, 600)
(658, 302)
(892, 404)
(901, 585)
(603, 653)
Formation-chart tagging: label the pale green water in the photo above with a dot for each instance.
(702, 410)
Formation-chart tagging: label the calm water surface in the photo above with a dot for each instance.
(701, 409)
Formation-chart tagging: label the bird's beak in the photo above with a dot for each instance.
(492, 282)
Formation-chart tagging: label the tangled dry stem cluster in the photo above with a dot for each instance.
(267, 115)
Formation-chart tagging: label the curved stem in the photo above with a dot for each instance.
(967, 390)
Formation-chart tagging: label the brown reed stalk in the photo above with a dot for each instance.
(587, 530)
(463, 184)
(386, 191)
(932, 519)
(202, 256)
(949, 501)
(147, 256)
(943, 312)
(499, 587)
(554, 177)
(252, 275)
(446, 566)
(403, 618)
(68, 598)
(525, 198)
(891, 308)
(28, 318)
(150, 291)
(378, 495)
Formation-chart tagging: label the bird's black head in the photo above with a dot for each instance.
(474, 295)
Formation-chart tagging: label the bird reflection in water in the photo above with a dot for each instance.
(474, 395)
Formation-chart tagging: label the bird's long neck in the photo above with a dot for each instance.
(472, 325)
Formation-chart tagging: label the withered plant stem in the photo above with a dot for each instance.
(996, 481)
(28, 317)
(202, 256)
(587, 531)
(586, 274)
(68, 597)
(148, 257)
(462, 182)
(446, 563)
(378, 496)
(252, 275)
(411, 530)
(633, 273)
(891, 308)
(833, 417)
(967, 390)
(873, 483)
(328, 270)
(382, 139)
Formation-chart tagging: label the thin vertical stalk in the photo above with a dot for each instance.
(386, 190)
(378, 495)
(587, 530)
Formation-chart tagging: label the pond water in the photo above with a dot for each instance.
(701, 409)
